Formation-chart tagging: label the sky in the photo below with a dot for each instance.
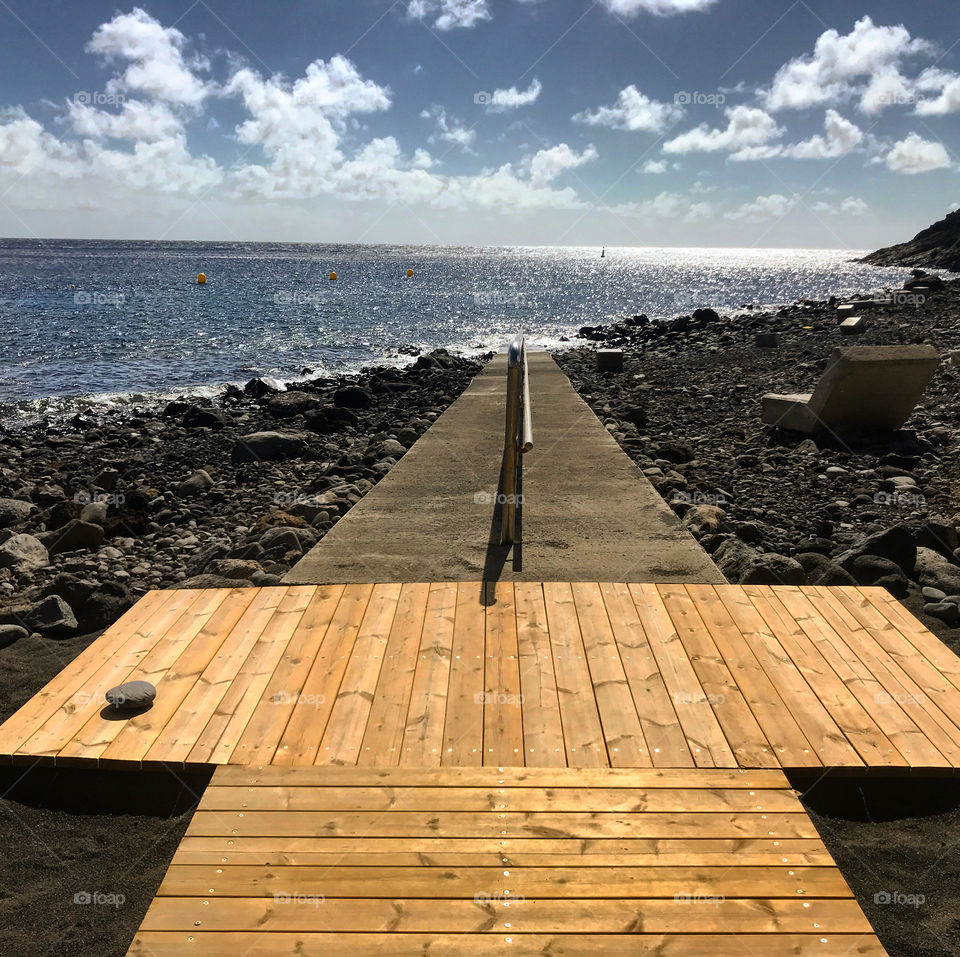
(745, 123)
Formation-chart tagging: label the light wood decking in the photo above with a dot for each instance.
(349, 862)
(547, 675)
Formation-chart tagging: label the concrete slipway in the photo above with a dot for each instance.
(588, 512)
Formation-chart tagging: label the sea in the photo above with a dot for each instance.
(87, 323)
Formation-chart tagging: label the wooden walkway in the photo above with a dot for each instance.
(351, 862)
(544, 675)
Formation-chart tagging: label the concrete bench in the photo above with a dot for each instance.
(863, 387)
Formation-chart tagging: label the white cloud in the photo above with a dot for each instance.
(840, 137)
(851, 206)
(450, 129)
(27, 150)
(763, 208)
(746, 127)
(136, 120)
(917, 155)
(155, 54)
(663, 8)
(547, 165)
(450, 14)
(667, 206)
(828, 75)
(164, 166)
(655, 167)
(886, 88)
(947, 87)
(633, 111)
(511, 99)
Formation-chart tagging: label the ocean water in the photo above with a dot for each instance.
(93, 321)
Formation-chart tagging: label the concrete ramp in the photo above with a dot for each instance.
(588, 512)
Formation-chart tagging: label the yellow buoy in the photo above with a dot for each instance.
(409, 273)
(201, 278)
(333, 277)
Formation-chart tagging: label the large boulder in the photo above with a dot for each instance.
(288, 404)
(743, 565)
(261, 386)
(820, 570)
(285, 538)
(352, 397)
(268, 447)
(325, 421)
(23, 553)
(897, 544)
(74, 536)
(881, 572)
(233, 568)
(13, 511)
(11, 633)
(201, 417)
(704, 519)
(52, 617)
(195, 484)
(934, 570)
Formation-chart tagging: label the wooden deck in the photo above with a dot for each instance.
(548, 675)
(356, 861)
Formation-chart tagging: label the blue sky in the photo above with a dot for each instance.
(771, 123)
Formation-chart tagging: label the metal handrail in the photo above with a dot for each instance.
(518, 435)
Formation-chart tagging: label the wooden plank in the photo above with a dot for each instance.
(789, 743)
(502, 704)
(543, 944)
(819, 728)
(623, 735)
(423, 732)
(525, 852)
(463, 726)
(658, 719)
(284, 690)
(333, 798)
(533, 777)
(853, 720)
(705, 738)
(343, 736)
(383, 739)
(199, 688)
(579, 714)
(502, 825)
(300, 742)
(912, 744)
(344, 881)
(199, 629)
(70, 681)
(740, 726)
(219, 736)
(73, 712)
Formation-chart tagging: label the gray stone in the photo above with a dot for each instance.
(73, 536)
(23, 553)
(95, 513)
(268, 446)
(933, 594)
(52, 617)
(934, 570)
(261, 386)
(233, 568)
(13, 511)
(392, 448)
(880, 572)
(198, 482)
(946, 611)
(131, 695)
(352, 397)
(11, 633)
(743, 565)
(704, 519)
(820, 570)
(288, 404)
(896, 544)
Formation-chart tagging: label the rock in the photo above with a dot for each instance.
(933, 594)
(704, 519)
(288, 404)
(676, 452)
(936, 247)
(353, 397)
(286, 538)
(52, 617)
(131, 696)
(946, 611)
(392, 448)
(198, 482)
(262, 385)
(213, 581)
(766, 340)
(11, 633)
(881, 572)
(268, 446)
(635, 414)
(200, 417)
(935, 571)
(103, 605)
(939, 534)
(233, 568)
(94, 513)
(743, 565)
(23, 553)
(897, 544)
(13, 511)
(73, 536)
(705, 315)
(325, 421)
(820, 570)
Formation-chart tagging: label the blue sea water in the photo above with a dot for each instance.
(94, 321)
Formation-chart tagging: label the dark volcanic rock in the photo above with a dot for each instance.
(52, 617)
(821, 571)
(261, 386)
(268, 446)
(936, 247)
(326, 421)
(897, 544)
(352, 397)
(288, 404)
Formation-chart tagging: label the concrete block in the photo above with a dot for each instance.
(609, 360)
(853, 326)
(863, 387)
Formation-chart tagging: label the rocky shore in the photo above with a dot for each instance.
(96, 510)
(779, 507)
